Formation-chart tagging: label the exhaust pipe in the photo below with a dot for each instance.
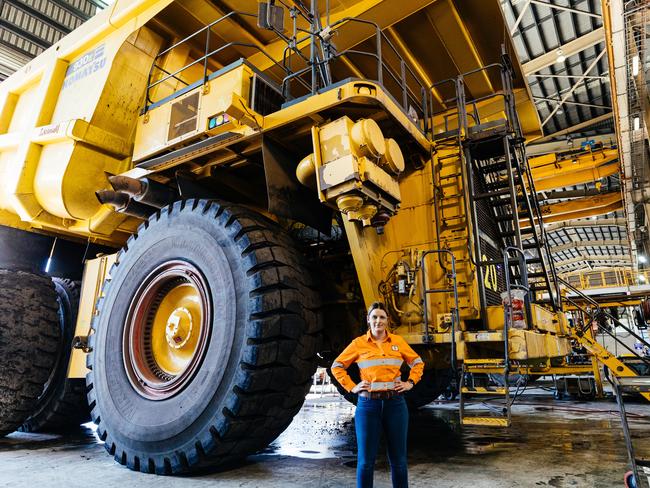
(145, 191)
(123, 203)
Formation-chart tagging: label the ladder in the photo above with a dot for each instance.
(503, 417)
(479, 395)
(638, 384)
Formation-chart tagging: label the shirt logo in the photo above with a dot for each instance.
(395, 348)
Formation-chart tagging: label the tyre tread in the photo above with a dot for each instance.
(278, 359)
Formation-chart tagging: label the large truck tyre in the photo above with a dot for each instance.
(204, 347)
(62, 405)
(29, 338)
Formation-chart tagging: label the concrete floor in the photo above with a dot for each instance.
(550, 444)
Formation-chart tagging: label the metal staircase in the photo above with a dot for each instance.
(485, 162)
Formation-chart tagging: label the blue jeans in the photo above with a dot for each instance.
(370, 418)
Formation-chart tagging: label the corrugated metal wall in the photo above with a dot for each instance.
(29, 27)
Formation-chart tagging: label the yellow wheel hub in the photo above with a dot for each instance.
(176, 328)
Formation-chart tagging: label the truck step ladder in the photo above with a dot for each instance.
(473, 394)
(627, 385)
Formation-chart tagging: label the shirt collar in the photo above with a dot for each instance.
(388, 336)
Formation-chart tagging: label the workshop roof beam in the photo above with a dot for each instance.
(566, 9)
(588, 244)
(569, 49)
(574, 128)
(593, 64)
(579, 223)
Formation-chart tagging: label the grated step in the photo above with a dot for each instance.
(490, 361)
(486, 421)
(480, 390)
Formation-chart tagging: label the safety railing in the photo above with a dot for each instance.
(396, 76)
(203, 61)
(455, 313)
(403, 84)
(610, 278)
(597, 319)
(461, 103)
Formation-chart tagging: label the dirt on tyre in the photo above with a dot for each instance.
(29, 338)
(62, 405)
(204, 347)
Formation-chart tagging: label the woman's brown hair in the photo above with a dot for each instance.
(377, 306)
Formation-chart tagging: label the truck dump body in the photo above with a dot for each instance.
(90, 88)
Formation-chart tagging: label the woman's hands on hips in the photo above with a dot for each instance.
(403, 386)
(361, 386)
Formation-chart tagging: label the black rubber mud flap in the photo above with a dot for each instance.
(29, 340)
(258, 357)
(62, 405)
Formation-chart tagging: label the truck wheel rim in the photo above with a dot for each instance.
(166, 330)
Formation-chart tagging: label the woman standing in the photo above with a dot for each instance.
(381, 406)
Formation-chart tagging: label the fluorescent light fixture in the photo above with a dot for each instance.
(635, 65)
(642, 259)
(636, 123)
(47, 265)
(560, 56)
(595, 217)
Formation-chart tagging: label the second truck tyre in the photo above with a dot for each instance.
(29, 338)
(205, 344)
(63, 404)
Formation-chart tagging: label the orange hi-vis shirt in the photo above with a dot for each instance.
(379, 363)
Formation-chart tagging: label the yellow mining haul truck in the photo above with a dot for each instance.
(265, 171)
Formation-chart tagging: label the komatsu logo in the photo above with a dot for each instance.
(86, 65)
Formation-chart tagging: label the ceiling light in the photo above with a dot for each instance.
(595, 217)
(560, 56)
(635, 65)
(637, 123)
(642, 278)
(559, 110)
(642, 259)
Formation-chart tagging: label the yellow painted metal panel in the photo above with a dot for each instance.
(95, 272)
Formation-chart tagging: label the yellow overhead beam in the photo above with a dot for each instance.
(550, 173)
(579, 208)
